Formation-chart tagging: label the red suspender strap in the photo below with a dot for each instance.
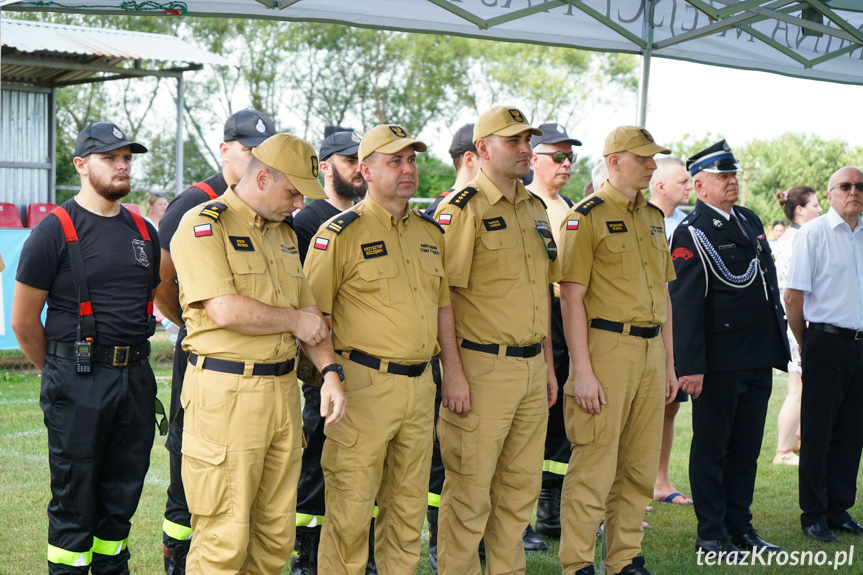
(145, 233)
(86, 321)
(66, 222)
(207, 189)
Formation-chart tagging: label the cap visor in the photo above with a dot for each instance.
(309, 187)
(649, 150)
(722, 169)
(253, 141)
(399, 145)
(134, 148)
(349, 151)
(551, 140)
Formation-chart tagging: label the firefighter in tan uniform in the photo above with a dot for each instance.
(498, 379)
(616, 315)
(377, 272)
(246, 303)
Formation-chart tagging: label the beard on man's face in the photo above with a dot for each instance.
(349, 189)
(109, 190)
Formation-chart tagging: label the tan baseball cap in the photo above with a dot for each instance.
(502, 121)
(633, 139)
(387, 139)
(295, 158)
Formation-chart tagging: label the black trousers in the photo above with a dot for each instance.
(557, 446)
(176, 508)
(437, 472)
(100, 433)
(831, 432)
(727, 429)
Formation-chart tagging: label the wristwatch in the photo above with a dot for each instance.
(336, 368)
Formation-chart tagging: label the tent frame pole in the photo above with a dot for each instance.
(644, 81)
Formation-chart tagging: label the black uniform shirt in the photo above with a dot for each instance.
(184, 202)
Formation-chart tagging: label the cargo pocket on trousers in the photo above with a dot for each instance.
(583, 428)
(340, 456)
(457, 437)
(205, 475)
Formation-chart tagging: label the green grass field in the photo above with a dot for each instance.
(668, 545)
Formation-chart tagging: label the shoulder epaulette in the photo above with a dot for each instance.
(462, 197)
(428, 218)
(655, 207)
(586, 205)
(341, 221)
(539, 198)
(214, 210)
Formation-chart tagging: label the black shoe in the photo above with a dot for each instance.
(589, 570)
(752, 541)
(635, 568)
(532, 541)
(719, 546)
(548, 511)
(304, 560)
(849, 526)
(175, 554)
(371, 566)
(820, 532)
(431, 515)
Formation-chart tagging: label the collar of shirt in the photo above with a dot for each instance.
(834, 219)
(725, 215)
(380, 213)
(616, 197)
(494, 195)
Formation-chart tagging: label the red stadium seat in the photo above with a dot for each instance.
(133, 208)
(9, 216)
(36, 212)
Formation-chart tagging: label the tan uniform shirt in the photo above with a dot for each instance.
(382, 280)
(497, 264)
(618, 249)
(233, 255)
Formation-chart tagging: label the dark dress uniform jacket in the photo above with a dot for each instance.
(718, 327)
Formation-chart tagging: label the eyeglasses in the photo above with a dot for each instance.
(558, 157)
(162, 424)
(548, 241)
(846, 187)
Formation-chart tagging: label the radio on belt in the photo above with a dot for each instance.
(84, 356)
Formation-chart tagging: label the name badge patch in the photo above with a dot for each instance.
(242, 243)
(429, 249)
(616, 227)
(374, 250)
(494, 224)
(203, 230)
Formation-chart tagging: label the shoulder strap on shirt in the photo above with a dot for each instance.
(206, 188)
(541, 201)
(341, 221)
(567, 201)
(463, 196)
(428, 218)
(214, 210)
(586, 205)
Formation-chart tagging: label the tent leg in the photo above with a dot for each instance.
(178, 174)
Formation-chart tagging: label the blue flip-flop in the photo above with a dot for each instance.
(670, 499)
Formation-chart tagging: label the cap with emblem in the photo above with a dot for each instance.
(462, 141)
(716, 159)
(387, 139)
(502, 121)
(249, 127)
(100, 137)
(633, 139)
(553, 134)
(295, 158)
(344, 143)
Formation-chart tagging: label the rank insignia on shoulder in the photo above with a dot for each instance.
(374, 250)
(681, 253)
(242, 243)
(214, 210)
(587, 205)
(494, 224)
(615, 227)
(572, 225)
(445, 219)
(427, 218)
(322, 244)
(462, 197)
(203, 230)
(341, 221)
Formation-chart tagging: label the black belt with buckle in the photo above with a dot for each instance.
(511, 350)
(239, 367)
(856, 334)
(634, 330)
(413, 370)
(117, 356)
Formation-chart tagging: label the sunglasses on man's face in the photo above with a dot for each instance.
(559, 157)
(846, 187)
(548, 242)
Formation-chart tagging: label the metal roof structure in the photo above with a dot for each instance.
(54, 55)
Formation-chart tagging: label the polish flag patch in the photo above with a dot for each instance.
(572, 224)
(203, 230)
(322, 243)
(445, 219)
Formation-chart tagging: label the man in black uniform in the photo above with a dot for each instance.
(729, 332)
(344, 186)
(96, 265)
(244, 130)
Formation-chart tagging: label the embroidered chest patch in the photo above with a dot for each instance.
(374, 250)
(242, 243)
(615, 227)
(493, 224)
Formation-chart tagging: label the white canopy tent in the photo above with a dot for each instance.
(815, 39)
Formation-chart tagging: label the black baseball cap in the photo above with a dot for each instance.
(344, 143)
(249, 127)
(101, 137)
(553, 133)
(462, 141)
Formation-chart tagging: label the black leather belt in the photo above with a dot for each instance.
(856, 334)
(634, 330)
(238, 367)
(414, 370)
(511, 350)
(117, 356)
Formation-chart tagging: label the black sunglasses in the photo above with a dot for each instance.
(846, 186)
(162, 423)
(558, 157)
(548, 241)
